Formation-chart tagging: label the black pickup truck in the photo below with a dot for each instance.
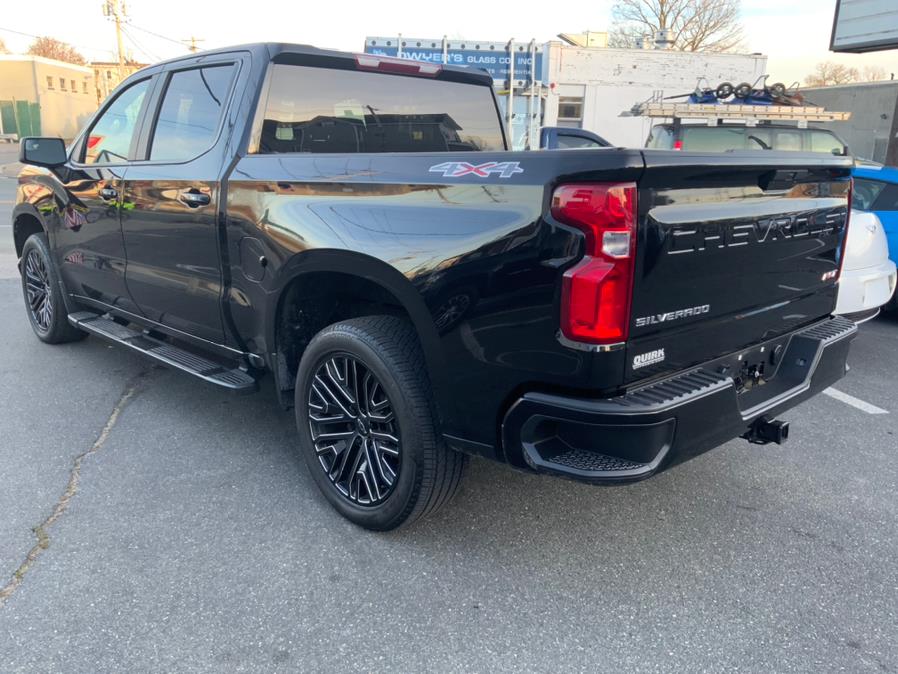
(356, 228)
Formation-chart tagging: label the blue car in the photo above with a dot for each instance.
(876, 190)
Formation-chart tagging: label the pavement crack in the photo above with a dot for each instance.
(41, 531)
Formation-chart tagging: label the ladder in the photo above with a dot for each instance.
(750, 114)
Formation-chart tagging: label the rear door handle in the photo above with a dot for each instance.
(108, 193)
(194, 198)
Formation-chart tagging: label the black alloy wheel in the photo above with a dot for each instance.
(43, 293)
(368, 425)
(37, 290)
(354, 430)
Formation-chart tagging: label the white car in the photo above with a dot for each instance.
(868, 275)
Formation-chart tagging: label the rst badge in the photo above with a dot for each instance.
(457, 169)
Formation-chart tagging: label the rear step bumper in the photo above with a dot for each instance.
(633, 436)
(165, 352)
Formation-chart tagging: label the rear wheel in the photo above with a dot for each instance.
(43, 296)
(367, 424)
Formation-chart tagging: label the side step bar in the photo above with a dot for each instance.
(163, 352)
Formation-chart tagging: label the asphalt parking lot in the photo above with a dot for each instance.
(150, 522)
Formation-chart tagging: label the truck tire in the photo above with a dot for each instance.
(368, 427)
(43, 295)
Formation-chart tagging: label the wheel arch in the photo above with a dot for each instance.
(378, 287)
(25, 221)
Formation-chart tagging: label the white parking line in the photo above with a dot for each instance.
(855, 402)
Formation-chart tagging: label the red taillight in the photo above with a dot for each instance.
(398, 66)
(596, 292)
(678, 145)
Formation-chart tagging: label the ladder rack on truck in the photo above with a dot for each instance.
(750, 114)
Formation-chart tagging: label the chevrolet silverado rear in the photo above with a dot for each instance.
(356, 229)
(704, 295)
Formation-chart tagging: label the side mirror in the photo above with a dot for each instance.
(49, 152)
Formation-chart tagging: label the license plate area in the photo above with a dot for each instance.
(756, 367)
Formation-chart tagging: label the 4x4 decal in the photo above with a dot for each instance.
(456, 169)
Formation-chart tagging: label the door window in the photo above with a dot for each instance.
(566, 142)
(190, 113)
(887, 199)
(109, 139)
(865, 193)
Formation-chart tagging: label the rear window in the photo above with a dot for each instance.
(325, 110)
(713, 138)
(660, 138)
(824, 141)
(788, 141)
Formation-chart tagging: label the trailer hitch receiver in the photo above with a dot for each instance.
(764, 431)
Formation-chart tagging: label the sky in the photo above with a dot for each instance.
(794, 34)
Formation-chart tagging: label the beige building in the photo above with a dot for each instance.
(107, 76)
(40, 96)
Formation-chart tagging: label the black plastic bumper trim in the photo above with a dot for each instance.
(666, 422)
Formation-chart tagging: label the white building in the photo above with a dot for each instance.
(589, 88)
(40, 96)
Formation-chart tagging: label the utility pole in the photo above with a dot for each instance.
(193, 46)
(116, 10)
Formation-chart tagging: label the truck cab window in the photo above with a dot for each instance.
(109, 138)
(190, 113)
(323, 110)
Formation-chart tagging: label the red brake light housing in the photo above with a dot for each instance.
(678, 145)
(385, 64)
(597, 291)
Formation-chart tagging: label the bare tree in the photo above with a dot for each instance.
(52, 48)
(873, 73)
(828, 73)
(692, 25)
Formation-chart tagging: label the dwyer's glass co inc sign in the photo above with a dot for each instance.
(490, 56)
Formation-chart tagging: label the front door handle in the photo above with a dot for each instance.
(194, 198)
(108, 193)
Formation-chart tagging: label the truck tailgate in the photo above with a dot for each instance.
(732, 249)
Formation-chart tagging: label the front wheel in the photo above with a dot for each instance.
(43, 295)
(368, 427)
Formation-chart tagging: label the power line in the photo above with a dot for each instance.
(139, 46)
(163, 37)
(71, 44)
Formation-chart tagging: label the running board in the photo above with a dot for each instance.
(163, 352)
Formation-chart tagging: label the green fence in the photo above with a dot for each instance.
(20, 117)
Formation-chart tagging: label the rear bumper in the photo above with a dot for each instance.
(862, 290)
(633, 436)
